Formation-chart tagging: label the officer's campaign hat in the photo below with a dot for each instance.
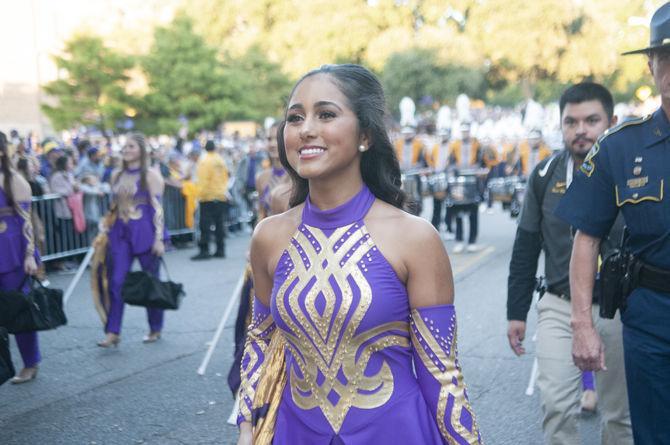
(659, 31)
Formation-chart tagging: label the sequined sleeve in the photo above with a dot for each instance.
(23, 209)
(158, 217)
(433, 331)
(259, 334)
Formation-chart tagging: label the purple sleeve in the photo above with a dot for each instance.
(259, 334)
(433, 331)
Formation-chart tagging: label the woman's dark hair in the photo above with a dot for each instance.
(142, 143)
(6, 170)
(379, 164)
(61, 163)
(23, 167)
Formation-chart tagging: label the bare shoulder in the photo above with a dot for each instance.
(402, 225)
(279, 198)
(272, 235)
(20, 188)
(415, 251)
(155, 181)
(154, 175)
(261, 179)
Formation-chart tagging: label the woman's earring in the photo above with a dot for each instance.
(362, 148)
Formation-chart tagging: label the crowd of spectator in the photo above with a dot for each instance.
(79, 169)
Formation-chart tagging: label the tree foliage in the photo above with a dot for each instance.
(92, 88)
(186, 82)
(419, 74)
(529, 44)
(233, 59)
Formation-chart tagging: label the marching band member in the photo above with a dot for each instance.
(136, 230)
(411, 153)
(19, 258)
(532, 151)
(466, 154)
(410, 150)
(438, 161)
(348, 344)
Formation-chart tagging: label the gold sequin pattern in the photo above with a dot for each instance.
(430, 344)
(124, 196)
(158, 217)
(326, 343)
(259, 334)
(27, 228)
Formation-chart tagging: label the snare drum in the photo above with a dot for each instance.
(411, 185)
(438, 185)
(463, 190)
(503, 189)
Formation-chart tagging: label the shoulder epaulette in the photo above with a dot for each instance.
(636, 121)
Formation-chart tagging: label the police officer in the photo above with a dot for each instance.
(586, 112)
(628, 170)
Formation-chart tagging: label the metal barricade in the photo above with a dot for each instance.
(174, 208)
(61, 240)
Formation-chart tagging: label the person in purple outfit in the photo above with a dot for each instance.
(137, 231)
(356, 293)
(17, 244)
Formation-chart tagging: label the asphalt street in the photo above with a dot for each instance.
(151, 394)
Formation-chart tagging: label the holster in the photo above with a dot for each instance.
(618, 278)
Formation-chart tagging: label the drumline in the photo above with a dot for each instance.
(457, 187)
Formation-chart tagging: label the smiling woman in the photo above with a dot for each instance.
(353, 333)
(350, 105)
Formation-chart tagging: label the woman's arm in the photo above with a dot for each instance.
(262, 325)
(430, 286)
(22, 205)
(156, 188)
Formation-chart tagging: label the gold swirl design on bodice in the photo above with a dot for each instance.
(124, 195)
(331, 357)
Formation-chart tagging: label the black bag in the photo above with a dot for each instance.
(6, 367)
(43, 312)
(12, 302)
(143, 289)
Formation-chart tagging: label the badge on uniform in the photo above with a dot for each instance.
(588, 167)
(559, 187)
(637, 182)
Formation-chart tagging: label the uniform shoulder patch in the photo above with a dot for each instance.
(622, 125)
(588, 167)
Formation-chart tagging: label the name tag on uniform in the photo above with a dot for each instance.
(637, 182)
(559, 187)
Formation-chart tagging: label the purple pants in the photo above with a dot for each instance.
(121, 257)
(27, 342)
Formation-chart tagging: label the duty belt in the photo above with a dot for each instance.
(651, 277)
(566, 297)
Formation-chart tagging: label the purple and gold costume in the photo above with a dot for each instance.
(138, 222)
(16, 242)
(352, 343)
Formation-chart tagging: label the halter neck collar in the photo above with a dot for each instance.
(350, 212)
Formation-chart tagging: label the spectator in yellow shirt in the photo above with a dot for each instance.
(212, 185)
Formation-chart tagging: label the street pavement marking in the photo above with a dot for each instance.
(463, 267)
(224, 319)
